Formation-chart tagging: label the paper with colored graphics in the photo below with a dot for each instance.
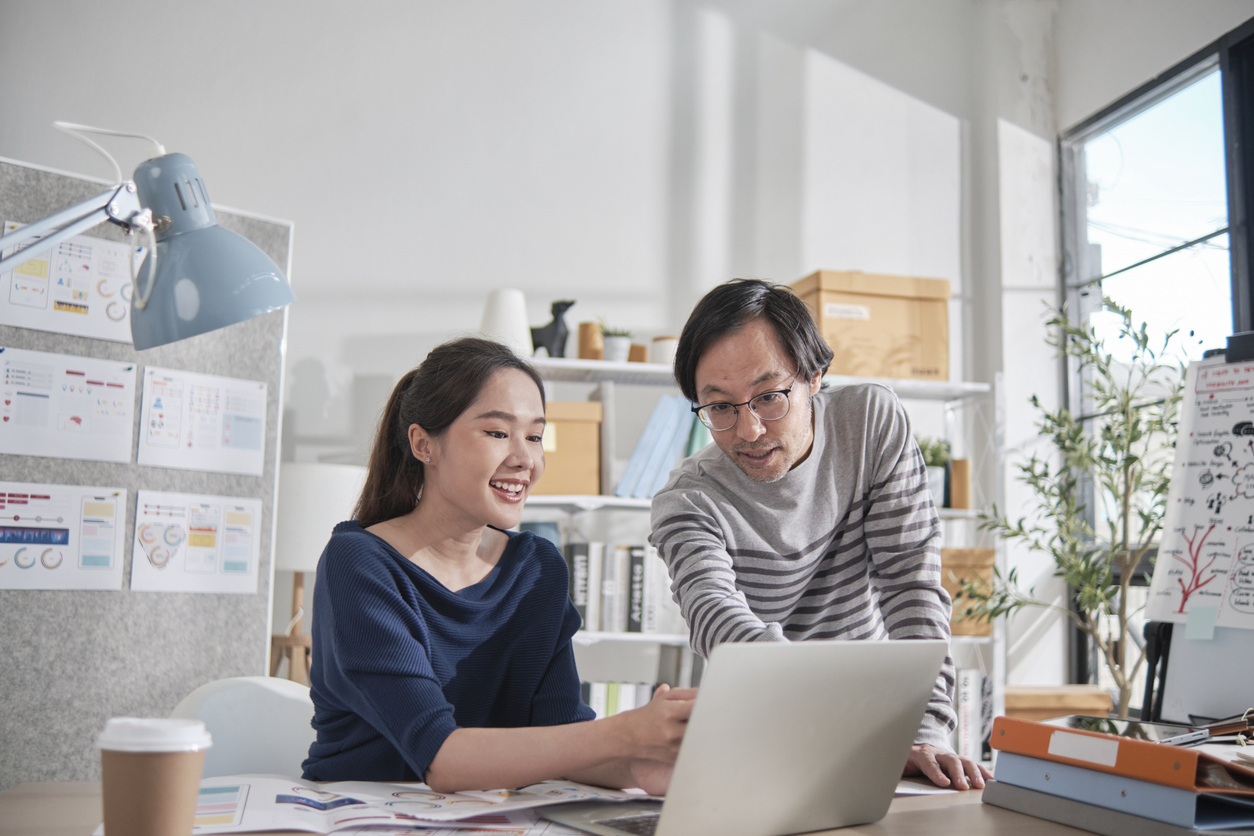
(202, 422)
(195, 543)
(81, 287)
(65, 406)
(61, 536)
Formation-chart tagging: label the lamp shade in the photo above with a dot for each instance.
(207, 277)
(313, 498)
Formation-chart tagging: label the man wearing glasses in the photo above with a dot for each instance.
(809, 517)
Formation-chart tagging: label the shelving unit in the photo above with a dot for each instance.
(987, 651)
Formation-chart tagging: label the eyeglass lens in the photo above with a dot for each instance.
(769, 406)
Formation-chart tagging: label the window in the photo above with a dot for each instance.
(1155, 200)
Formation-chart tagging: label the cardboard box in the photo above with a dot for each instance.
(572, 449)
(1045, 702)
(958, 565)
(881, 326)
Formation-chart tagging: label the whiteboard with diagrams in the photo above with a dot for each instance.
(1204, 573)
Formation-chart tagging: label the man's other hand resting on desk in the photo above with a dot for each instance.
(945, 769)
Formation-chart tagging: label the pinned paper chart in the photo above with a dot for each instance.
(202, 422)
(195, 543)
(65, 406)
(1204, 572)
(82, 287)
(61, 536)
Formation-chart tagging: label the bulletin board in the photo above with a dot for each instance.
(71, 658)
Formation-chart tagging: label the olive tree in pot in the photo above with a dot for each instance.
(1118, 458)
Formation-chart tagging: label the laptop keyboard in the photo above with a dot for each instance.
(644, 824)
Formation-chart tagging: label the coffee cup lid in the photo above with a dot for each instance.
(154, 734)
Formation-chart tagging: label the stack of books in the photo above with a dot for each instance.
(671, 433)
(1117, 786)
(610, 698)
(622, 589)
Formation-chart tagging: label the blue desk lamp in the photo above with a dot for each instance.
(202, 278)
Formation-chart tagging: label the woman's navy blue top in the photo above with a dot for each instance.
(399, 661)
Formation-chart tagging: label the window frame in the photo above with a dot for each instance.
(1233, 54)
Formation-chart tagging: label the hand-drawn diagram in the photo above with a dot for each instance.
(1206, 556)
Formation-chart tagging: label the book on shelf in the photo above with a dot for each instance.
(596, 566)
(1158, 763)
(973, 706)
(661, 610)
(635, 589)
(1172, 805)
(615, 587)
(698, 438)
(622, 588)
(609, 698)
(576, 554)
(1089, 817)
(663, 455)
(663, 410)
(673, 451)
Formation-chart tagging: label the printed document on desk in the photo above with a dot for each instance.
(248, 803)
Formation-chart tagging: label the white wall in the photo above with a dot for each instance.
(626, 153)
(1108, 48)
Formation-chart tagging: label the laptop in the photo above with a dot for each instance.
(785, 738)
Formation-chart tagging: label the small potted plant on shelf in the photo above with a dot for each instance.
(617, 343)
(936, 457)
(1099, 496)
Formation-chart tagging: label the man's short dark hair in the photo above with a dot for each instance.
(729, 307)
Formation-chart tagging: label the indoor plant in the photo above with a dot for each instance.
(936, 458)
(1099, 497)
(617, 343)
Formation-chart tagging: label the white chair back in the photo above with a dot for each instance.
(260, 724)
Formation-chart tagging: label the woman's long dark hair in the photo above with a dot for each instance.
(441, 388)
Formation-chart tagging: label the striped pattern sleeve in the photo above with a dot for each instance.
(708, 586)
(903, 536)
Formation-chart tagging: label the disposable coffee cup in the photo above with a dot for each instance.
(150, 775)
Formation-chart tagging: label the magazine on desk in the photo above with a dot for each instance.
(246, 803)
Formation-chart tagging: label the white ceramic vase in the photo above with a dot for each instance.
(505, 320)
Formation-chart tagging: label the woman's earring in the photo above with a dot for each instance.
(428, 460)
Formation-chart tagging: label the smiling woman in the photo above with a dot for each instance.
(442, 640)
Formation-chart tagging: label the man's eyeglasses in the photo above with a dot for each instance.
(768, 406)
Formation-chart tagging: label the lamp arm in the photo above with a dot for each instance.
(120, 206)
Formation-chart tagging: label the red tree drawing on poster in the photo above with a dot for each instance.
(1193, 566)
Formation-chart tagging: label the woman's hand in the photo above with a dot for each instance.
(944, 768)
(655, 731)
(654, 777)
